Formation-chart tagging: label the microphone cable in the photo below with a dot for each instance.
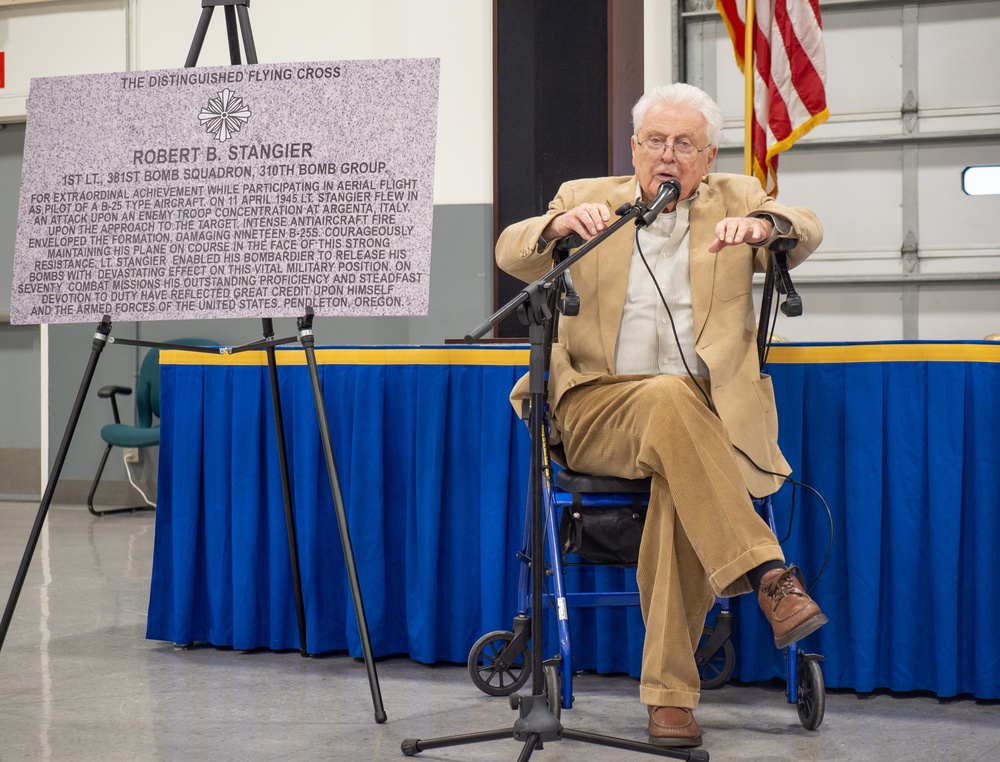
(791, 514)
(711, 406)
(673, 328)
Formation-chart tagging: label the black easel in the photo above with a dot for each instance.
(268, 342)
(537, 724)
(234, 9)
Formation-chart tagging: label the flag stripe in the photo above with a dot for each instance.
(789, 75)
(807, 81)
(732, 15)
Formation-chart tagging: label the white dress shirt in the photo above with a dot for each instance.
(646, 342)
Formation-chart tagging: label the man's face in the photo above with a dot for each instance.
(671, 124)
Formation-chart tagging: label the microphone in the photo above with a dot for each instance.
(670, 190)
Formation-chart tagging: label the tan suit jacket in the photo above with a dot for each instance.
(725, 319)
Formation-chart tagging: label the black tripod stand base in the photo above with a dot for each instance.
(413, 746)
(538, 725)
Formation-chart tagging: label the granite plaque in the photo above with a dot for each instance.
(219, 192)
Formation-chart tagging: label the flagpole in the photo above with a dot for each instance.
(748, 27)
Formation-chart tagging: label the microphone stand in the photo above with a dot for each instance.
(536, 723)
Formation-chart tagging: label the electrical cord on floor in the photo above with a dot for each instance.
(128, 473)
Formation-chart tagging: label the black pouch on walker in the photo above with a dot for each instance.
(603, 534)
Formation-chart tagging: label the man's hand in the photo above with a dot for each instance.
(736, 230)
(586, 220)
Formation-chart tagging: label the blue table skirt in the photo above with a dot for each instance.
(900, 439)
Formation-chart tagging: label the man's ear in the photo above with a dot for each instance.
(712, 153)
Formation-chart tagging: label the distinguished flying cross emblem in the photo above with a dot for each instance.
(224, 115)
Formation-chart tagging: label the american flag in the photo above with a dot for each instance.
(789, 93)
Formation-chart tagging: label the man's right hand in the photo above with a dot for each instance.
(586, 220)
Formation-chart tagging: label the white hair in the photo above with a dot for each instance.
(681, 94)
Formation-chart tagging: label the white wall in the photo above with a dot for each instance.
(56, 38)
(657, 43)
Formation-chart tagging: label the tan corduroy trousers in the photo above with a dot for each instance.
(702, 534)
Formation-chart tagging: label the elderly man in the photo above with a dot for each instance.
(658, 376)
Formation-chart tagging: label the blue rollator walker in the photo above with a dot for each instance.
(500, 662)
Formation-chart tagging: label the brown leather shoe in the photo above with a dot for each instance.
(787, 606)
(673, 726)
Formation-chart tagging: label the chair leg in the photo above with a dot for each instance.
(93, 491)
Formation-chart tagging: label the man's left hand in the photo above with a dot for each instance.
(736, 230)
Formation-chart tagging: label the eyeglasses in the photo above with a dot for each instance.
(683, 150)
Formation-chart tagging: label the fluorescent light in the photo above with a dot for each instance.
(981, 181)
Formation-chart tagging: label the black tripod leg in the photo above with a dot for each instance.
(100, 339)
(233, 37)
(199, 36)
(698, 755)
(248, 46)
(532, 742)
(286, 488)
(308, 343)
(231, 33)
(412, 746)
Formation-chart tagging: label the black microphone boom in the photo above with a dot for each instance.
(670, 190)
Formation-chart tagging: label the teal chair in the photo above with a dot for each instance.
(146, 431)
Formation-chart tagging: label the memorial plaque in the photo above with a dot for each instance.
(237, 191)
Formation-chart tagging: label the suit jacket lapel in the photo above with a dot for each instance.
(706, 211)
(615, 256)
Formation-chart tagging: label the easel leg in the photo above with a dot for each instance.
(248, 44)
(199, 36)
(234, 9)
(231, 34)
(308, 343)
(286, 488)
(100, 339)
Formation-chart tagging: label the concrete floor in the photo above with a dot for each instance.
(79, 681)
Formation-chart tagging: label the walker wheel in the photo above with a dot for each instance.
(811, 701)
(494, 669)
(716, 670)
(553, 689)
